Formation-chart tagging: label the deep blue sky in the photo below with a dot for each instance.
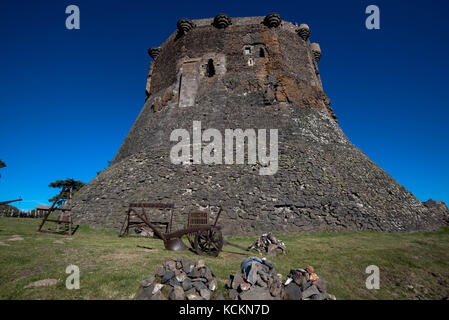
(69, 97)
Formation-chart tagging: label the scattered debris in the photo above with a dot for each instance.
(179, 279)
(58, 241)
(305, 284)
(258, 281)
(144, 232)
(42, 283)
(268, 244)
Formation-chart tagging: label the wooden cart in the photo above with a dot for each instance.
(204, 238)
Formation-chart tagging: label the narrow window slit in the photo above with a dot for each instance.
(210, 68)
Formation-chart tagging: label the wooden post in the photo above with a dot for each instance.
(171, 220)
(70, 212)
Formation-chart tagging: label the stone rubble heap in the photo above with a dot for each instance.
(268, 244)
(144, 232)
(258, 281)
(179, 279)
(305, 284)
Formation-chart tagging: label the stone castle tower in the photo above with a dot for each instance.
(252, 72)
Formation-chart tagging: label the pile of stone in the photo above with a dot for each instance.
(305, 284)
(258, 281)
(268, 244)
(144, 232)
(179, 279)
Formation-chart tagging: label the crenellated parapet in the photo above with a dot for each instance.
(266, 50)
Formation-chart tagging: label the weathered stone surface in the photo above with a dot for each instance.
(323, 182)
(167, 290)
(321, 285)
(199, 285)
(194, 296)
(300, 280)
(157, 287)
(158, 296)
(160, 271)
(293, 292)
(187, 284)
(258, 274)
(205, 293)
(177, 285)
(310, 291)
(219, 296)
(437, 209)
(200, 264)
(190, 291)
(147, 282)
(167, 276)
(187, 266)
(145, 293)
(252, 275)
(195, 273)
(41, 283)
(244, 286)
(212, 285)
(268, 244)
(177, 293)
(260, 282)
(170, 265)
(233, 293)
(256, 293)
(180, 276)
(236, 281)
(317, 296)
(173, 282)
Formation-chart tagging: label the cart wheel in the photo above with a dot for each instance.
(209, 242)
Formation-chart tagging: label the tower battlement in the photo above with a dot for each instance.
(266, 52)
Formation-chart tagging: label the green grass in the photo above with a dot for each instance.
(412, 266)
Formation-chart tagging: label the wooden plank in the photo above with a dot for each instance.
(58, 221)
(55, 232)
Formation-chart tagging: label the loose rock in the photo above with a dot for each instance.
(179, 279)
(42, 283)
(268, 244)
